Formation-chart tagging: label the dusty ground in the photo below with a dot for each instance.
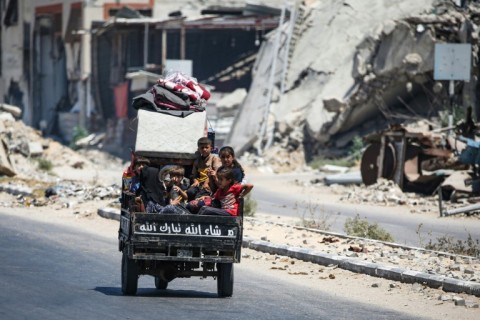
(416, 300)
(90, 168)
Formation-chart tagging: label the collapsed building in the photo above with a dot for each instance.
(347, 69)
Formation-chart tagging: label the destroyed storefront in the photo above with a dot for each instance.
(45, 65)
(221, 50)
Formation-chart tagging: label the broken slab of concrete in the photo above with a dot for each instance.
(15, 111)
(35, 148)
(231, 101)
(6, 167)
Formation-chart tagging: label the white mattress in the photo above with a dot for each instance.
(163, 135)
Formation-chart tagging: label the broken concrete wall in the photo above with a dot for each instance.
(20, 52)
(353, 64)
(14, 88)
(360, 41)
(402, 55)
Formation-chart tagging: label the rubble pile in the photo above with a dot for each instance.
(384, 192)
(66, 193)
(372, 66)
(276, 160)
(38, 170)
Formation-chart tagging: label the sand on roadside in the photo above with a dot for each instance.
(415, 300)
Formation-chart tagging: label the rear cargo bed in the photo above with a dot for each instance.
(169, 237)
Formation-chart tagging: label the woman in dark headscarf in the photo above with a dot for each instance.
(152, 189)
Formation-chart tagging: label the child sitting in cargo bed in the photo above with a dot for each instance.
(205, 160)
(176, 184)
(228, 194)
(227, 157)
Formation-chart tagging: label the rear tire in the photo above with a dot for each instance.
(129, 275)
(160, 284)
(224, 279)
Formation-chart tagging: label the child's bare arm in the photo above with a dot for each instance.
(195, 174)
(195, 183)
(216, 163)
(182, 193)
(246, 188)
(206, 185)
(213, 176)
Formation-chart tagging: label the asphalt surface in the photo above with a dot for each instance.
(351, 264)
(56, 272)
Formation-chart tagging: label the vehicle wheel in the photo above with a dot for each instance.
(224, 279)
(129, 276)
(160, 284)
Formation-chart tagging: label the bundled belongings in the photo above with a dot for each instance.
(174, 92)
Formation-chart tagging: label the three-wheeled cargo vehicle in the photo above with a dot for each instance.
(169, 246)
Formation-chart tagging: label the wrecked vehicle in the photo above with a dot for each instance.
(169, 246)
(424, 160)
(410, 158)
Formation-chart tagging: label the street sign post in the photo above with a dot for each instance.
(452, 62)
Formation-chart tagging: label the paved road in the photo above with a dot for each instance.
(401, 224)
(53, 272)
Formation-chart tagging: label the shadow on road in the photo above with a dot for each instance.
(148, 292)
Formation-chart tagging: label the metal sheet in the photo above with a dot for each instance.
(369, 167)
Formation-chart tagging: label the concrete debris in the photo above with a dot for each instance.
(68, 194)
(384, 192)
(471, 304)
(445, 297)
(276, 160)
(91, 140)
(35, 149)
(5, 116)
(361, 76)
(13, 110)
(6, 167)
(344, 178)
(40, 169)
(16, 189)
(459, 301)
(229, 103)
(334, 169)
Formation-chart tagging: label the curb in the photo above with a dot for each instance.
(369, 268)
(346, 263)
